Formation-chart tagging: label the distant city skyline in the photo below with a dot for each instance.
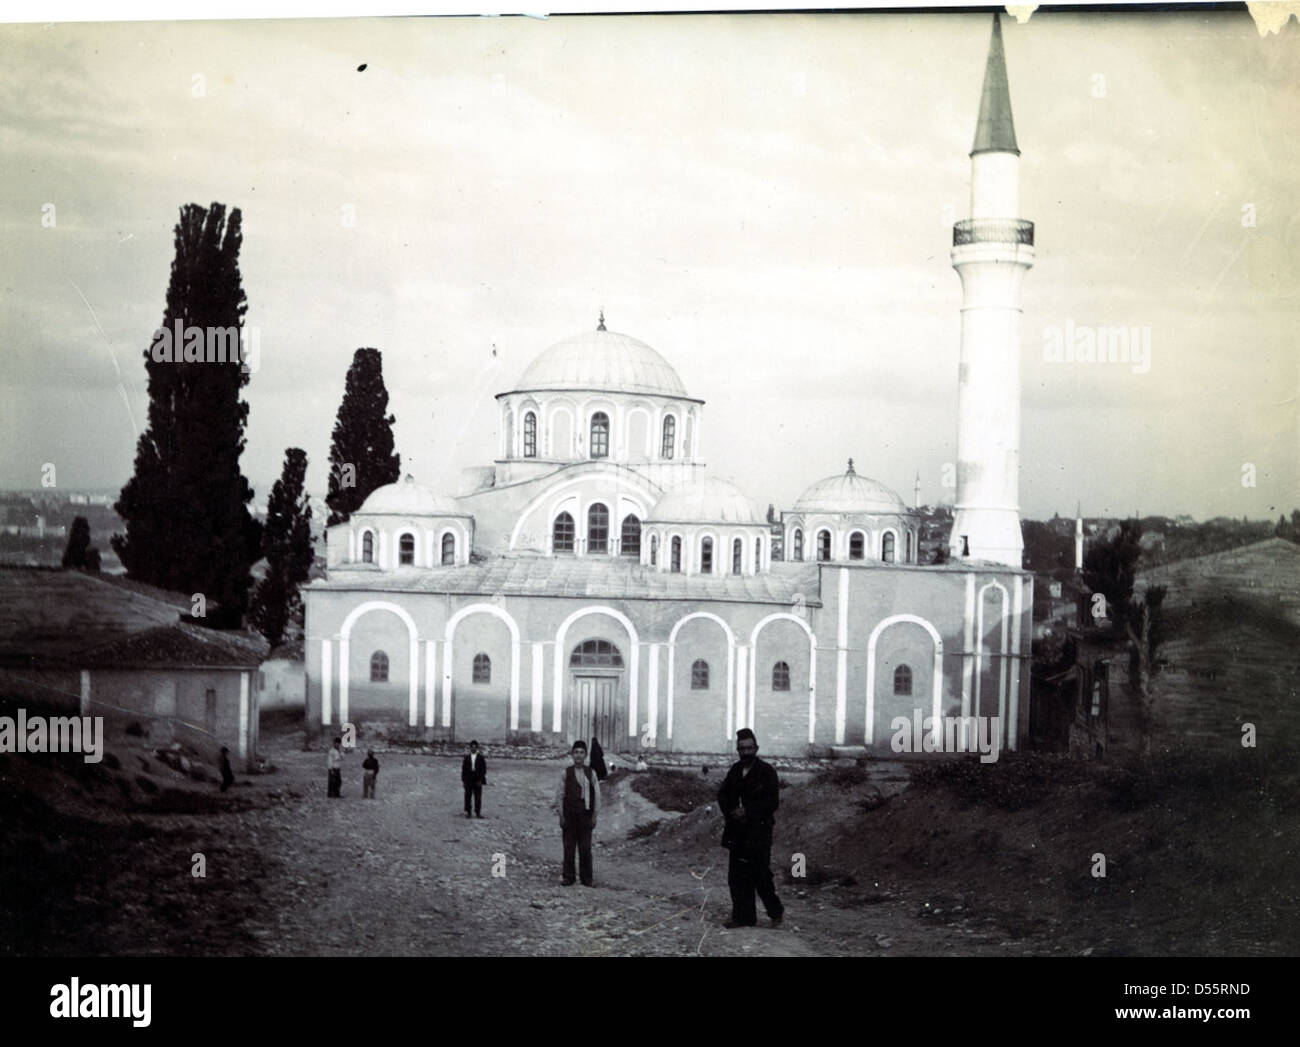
(766, 200)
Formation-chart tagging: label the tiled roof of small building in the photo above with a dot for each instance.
(587, 576)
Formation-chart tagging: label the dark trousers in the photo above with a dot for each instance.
(474, 791)
(335, 784)
(577, 835)
(368, 784)
(748, 872)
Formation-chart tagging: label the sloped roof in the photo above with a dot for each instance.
(586, 576)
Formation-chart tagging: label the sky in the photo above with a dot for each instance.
(765, 199)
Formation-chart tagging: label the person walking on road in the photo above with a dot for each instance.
(577, 800)
(748, 800)
(334, 761)
(227, 775)
(371, 766)
(473, 776)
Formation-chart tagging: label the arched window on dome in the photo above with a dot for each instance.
(887, 547)
(654, 550)
(449, 549)
(758, 555)
(737, 551)
(675, 564)
(670, 437)
(600, 435)
(903, 680)
(379, 667)
(823, 545)
(482, 668)
(562, 534)
(700, 675)
(706, 556)
(908, 546)
(780, 677)
(630, 539)
(406, 550)
(530, 435)
(598, 529)
(857, 546)
(798, 545)
(368, 547)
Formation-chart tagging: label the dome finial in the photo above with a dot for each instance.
(600, 326)
(410, 479)
(851, 472)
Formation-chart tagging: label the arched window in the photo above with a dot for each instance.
(670, 437)
(798, 544)
(903, 680)
(368, 547)
(406, 549)
(700, 675)
(857, 545)
(562, 534)
(758, 555)
(482, 668)
(823, 545)
(908, 541)
(530, 435)
(600, 435)
(596, 654)
(449, 549)
(887, 547)
(598, 529)
(675, 565)
(379, 667)
(706, 556)
(630, 539)
(654, 550)
(737, 550)
(780, 677)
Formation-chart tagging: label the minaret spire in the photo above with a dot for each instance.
(991, 251)
(995, 131)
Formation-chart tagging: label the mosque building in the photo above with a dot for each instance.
(595, 581)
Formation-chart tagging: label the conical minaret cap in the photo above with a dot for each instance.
(995, 132)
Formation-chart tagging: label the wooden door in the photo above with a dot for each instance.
(594, 712)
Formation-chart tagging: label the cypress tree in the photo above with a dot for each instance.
(362, 456)
(286, 542)
(188, 527)
(74, 555)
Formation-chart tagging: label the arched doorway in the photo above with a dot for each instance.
(595, 706)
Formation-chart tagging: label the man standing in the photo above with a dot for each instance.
(334, 761)
(473, 775)
(227, 775)
(371, 767)
(577, 801)
(748, 799)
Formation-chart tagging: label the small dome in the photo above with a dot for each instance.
(704, 501)
(849, 493)
(605, 361)
(406, 498)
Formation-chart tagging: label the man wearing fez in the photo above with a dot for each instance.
(577, 800)
(748, 800)
(473, 776)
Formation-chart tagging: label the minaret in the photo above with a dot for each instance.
(992, 250)
(1078, 537)
(916, 491)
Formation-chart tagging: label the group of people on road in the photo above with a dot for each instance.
(748, 799)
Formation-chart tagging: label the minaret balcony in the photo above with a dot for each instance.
(993, 231)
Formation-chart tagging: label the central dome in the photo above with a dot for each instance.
(605, 361)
